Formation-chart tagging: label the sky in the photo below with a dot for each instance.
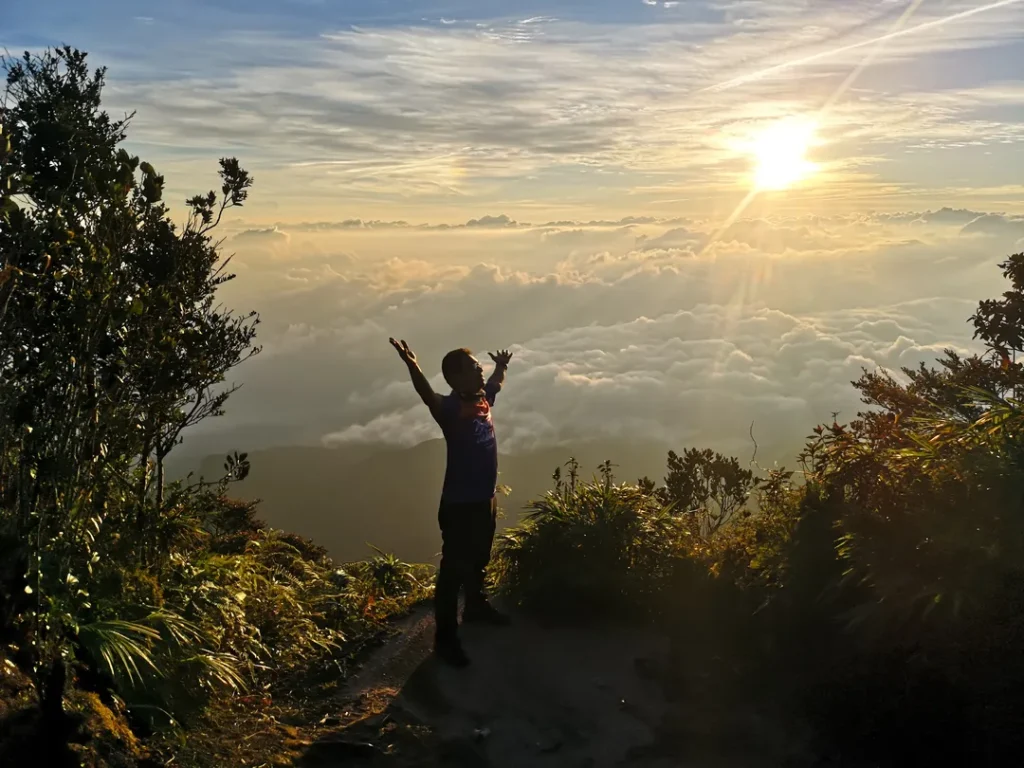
(682, 217)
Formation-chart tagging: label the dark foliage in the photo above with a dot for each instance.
(120, 592)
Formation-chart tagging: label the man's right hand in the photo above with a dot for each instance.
(407, 355)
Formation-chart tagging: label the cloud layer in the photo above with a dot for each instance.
(652, 329)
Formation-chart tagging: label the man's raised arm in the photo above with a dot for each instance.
(419, 381)
(501, 360)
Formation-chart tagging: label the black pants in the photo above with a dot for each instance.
(467, 533)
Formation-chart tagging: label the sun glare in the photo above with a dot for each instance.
(779, 154)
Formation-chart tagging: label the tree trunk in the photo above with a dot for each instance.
(51, 697)
(160, 456)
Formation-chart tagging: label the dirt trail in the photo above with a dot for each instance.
(534, 696)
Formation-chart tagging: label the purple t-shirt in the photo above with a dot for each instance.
(472, 472)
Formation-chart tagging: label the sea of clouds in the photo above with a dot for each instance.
(639, 328)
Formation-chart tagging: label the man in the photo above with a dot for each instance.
(468, 507)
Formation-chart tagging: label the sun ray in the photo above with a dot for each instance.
(737, 212)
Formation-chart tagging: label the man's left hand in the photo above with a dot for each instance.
(501, 357)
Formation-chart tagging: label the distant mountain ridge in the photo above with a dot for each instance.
(349, 497)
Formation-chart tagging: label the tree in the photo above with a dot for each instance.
(1000, 322)
(954, 386)
(111, 344)
(708, 484)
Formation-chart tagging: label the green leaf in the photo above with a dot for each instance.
(122, 646)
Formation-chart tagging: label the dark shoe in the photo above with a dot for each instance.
(485, 613)
(451, 653)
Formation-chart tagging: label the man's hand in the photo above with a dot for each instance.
(407, 355)
(501, 357)
(497, 380)
(419, 381)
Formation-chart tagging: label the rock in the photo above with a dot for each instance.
(462, 752)
(344, 747)
(107, 727)
(646, 668)
(549, 744)
(377, 722)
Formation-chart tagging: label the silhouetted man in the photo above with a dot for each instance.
(468, 507)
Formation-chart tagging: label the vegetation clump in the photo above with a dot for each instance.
(128, 600)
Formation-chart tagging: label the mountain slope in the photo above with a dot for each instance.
(346, 498)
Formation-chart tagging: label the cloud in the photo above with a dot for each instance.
(268, 236)
(679, 237)
(495, 110)
(611, 336)
(492, 221)
(951, 216)
(996, 225)
(328, 226)
(677, 378)
(499, 221)
(458, 175)
(773, 234)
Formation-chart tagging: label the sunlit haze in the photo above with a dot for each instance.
(681, 217)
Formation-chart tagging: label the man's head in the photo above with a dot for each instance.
(463, 372)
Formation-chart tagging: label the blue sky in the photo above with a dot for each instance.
(582, 182)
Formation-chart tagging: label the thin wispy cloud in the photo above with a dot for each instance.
(559, 103)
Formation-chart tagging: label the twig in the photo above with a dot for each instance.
(753, 458)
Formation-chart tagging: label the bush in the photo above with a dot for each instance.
(930, 537)
(597, 548)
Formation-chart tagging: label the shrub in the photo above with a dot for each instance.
(592, 548)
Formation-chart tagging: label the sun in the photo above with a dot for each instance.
(780, 151)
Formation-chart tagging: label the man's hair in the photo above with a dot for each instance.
(453, 363)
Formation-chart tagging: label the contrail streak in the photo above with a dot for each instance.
(870, 57)
(854, 46)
